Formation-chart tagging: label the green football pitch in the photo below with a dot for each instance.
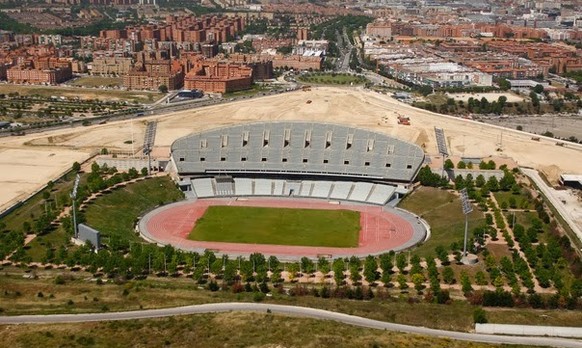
(279, 226)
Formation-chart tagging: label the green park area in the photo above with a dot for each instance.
(81, 93)
(442, 210)
(97, 81)
(332, 78)
(279, 226)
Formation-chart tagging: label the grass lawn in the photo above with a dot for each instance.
(237, 329)
(114, 214)
(522, 201)
(332, 79)
(97, 81)
(442, 210)
(281, 226)
(101, 94)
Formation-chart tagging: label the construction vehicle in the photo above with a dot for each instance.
(404, 120)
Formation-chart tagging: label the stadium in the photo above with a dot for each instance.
(319, 167)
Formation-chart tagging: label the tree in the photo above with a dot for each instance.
(479, 316)
(492, 184)
(401, 262)
(480, 180)
(461, 165)
(448, 275)
(538, 89)
(76, 167)
(386, 262)
(466, 283)
(338, 271)
(418, 281)
(370, 269)
(442, 254)
(504, 85)
(402, 282)
(449, 164)
(163, 89)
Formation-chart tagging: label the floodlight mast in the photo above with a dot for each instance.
(74, 198)
(467, 209)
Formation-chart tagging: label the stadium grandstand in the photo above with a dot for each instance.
(300, 159)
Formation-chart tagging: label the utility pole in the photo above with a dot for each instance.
(467, 209)
(74, 198)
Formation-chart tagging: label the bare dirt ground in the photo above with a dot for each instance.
(511, 97)
(351, 106)
(24, 170)
(561, 126)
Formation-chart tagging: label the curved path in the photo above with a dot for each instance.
(293, 311)
(382, 229)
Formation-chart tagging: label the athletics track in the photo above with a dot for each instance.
(382, 229)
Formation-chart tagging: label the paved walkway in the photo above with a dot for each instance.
(293, 311)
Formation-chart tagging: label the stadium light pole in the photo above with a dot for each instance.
(74, 198)
(467, 209)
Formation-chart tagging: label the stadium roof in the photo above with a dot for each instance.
(297, 148)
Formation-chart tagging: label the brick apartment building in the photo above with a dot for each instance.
(151, 72)
(262, 65)
(219, 77)
(111, 66)
(297, 62)
(41, 70)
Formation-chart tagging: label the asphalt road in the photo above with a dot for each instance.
(535, 176)
(291, 311)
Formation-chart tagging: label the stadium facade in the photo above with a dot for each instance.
(305, 159)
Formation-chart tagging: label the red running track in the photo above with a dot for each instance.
(381, 230)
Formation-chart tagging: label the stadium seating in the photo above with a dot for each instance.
(294, 149)
(341, 190)
(336, 190)
(361, 191)
(243, 187)
(321, 189)
(263, 187)
(203, 187)
(381, 194)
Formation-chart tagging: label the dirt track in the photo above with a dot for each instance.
(352, 106)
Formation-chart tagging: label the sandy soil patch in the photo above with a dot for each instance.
(511, 97)
(22, 171)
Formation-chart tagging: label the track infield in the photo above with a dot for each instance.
(381, 229)
(281, 226)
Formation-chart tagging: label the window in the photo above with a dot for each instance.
(222, 159)
(388, 165)
(245, 139)
(266, 135)
(367, 164)
(305, 160)
(224, 141)
(370, 146)
(283, 160)
(264, 159)
(325, 161)
(390, 149)
(349, 141)
(307, 140)
(287, 138)
(328, 136)
(243, 159)
(203, 143)
(346, 162)
(202, 159)
(181, 159)
(409, 166)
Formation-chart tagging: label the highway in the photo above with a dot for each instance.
(290, 311)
